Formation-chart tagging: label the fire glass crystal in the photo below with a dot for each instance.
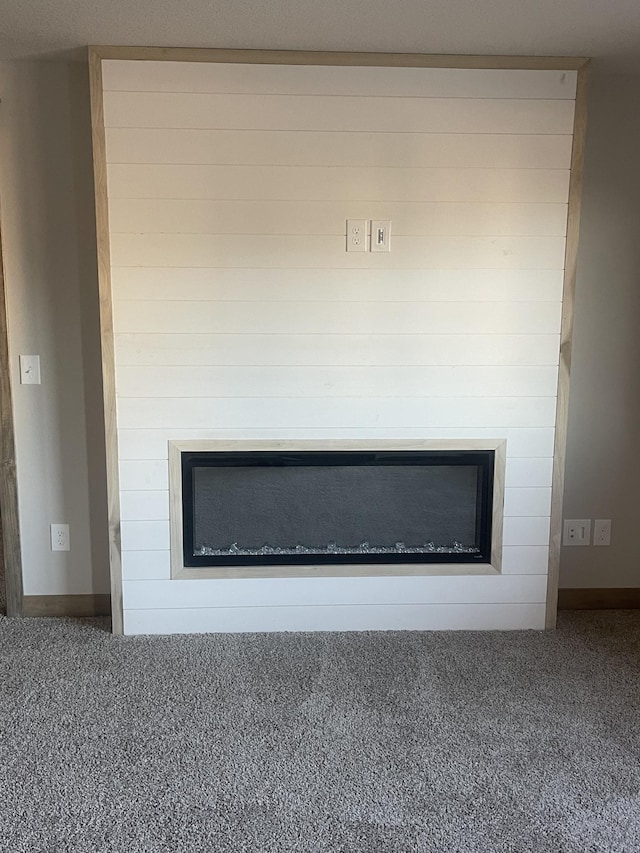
(234, 549)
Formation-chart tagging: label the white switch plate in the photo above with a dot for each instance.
(356, 235)
(30, 369)
(602, 531)
(59, 537)
(577, 531)
(381, 235)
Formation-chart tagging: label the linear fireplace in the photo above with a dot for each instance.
(238, 508)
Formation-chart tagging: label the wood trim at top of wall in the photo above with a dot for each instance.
(10, 539)
(107, 338)
(566, 336)
(307, 57)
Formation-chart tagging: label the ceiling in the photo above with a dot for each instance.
(607, 30)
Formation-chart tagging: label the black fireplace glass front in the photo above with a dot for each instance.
(324, 507)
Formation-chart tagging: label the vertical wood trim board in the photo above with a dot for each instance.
(566, 337)
(238, 315)
(107, 337)
(9, 518)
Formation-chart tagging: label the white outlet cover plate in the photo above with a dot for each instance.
(602, 532)
(357, 235)
(59, 537)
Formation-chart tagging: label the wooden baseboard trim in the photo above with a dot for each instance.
(623, 598)
(67, 605)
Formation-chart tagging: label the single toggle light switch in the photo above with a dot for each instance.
(30, 370)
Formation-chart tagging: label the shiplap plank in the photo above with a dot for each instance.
(140, 444)
(155, 565)
(237, 250)
(144, 475)
(146, 565)
(525, 560)
(144, 505)
(336, 412)
(337, 148)
(239, 78)
(376, 381)
(337, 592)
(455, 318)
(145, 535)
(372, 114)
(529, 473)
(373, 348)
(336, 285)
(412, 617)
(526, 502)
(524, 530)
(331, 183)
(321, 218)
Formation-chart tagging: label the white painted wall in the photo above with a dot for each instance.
(238, 312)
(46, 203)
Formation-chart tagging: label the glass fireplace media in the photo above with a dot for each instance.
(311, 508)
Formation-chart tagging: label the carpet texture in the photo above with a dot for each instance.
(387, 742)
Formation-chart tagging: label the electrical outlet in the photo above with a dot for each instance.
(577, 531)
(59, 537)
(356, 235)
(602, 531)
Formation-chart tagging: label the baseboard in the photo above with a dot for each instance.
(613, 598)
(66, 605)
(622, 598)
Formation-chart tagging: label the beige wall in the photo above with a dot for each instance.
(603, 462)
(47, 222)
(46, 194)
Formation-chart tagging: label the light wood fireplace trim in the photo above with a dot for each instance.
(179, 571)
(97, 54)
(321, 57)
(106, 338)
(566, 338)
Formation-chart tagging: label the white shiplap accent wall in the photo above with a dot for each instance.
(238, 313)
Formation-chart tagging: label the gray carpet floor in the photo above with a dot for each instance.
(390, 742)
